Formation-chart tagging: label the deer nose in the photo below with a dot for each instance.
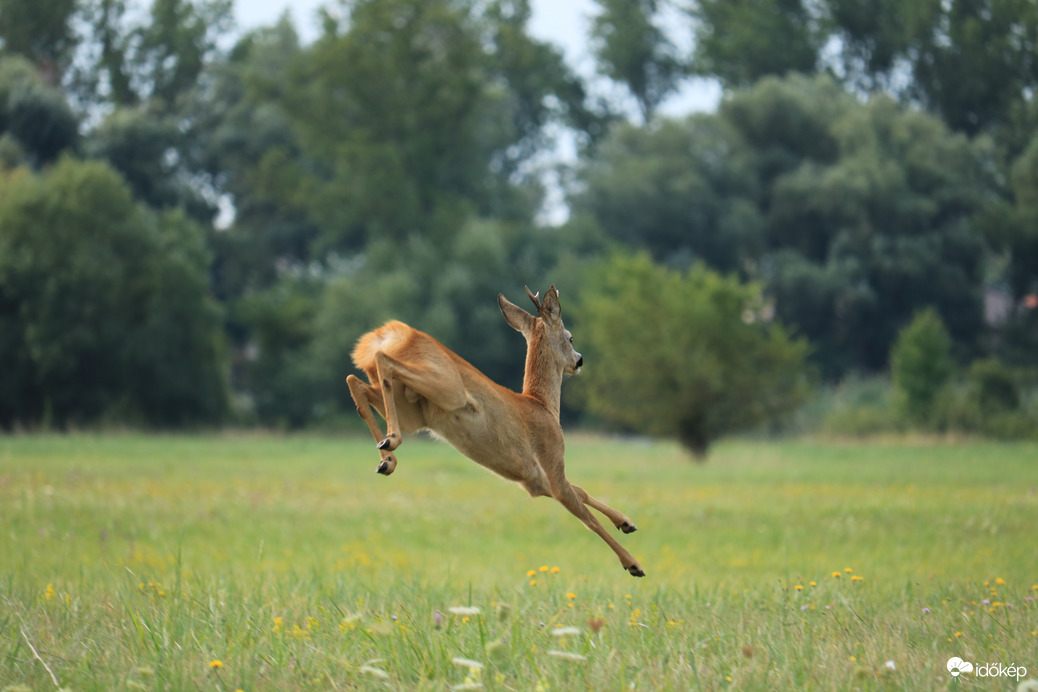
(580, 361)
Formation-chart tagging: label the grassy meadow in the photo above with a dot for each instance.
(256, 562)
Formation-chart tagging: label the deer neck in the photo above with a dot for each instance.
(542, 379)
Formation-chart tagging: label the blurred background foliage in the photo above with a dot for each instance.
(197, 223)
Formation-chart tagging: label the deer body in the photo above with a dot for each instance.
(418, 383)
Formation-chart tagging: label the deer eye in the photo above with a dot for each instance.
(571, 339)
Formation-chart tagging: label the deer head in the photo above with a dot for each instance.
(546, 335)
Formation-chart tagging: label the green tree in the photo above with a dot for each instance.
(280, 380)
(40, 31)
(530, 88)
(852, 214)
(393, 152)
(741, 41)
(632, 50)
(248, 148)
(891, 225)
(145, 75)
(146, 148)
(993, 386)
(110, 78)
(874, 37)
(685, 190)
(691, 355)
(391, 110)
(34, 115)
(104, 305)
(174, 45)
(1012, 228)
(420, 114)
(921, 364)
(972, 60)
(1019, 233)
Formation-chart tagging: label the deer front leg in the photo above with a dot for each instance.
(619, 519)
(565, 493)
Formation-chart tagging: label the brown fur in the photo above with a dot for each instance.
(415, 383)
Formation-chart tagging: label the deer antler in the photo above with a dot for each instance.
(535, 298)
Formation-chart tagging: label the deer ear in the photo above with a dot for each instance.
(519, 319)
(550, 308)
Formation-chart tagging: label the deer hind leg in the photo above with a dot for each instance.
(436, 379)
(368, 397)
(571, 500)
(618, 518)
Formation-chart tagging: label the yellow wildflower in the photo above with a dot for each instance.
(216, 665)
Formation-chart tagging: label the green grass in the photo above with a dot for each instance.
(131, 562)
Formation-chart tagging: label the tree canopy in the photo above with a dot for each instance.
(854, 215)
(196, 222)
(104, 305)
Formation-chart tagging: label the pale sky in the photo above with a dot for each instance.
(563, 22)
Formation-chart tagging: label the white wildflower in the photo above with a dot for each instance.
(467, 663)
(566, 655)
(464, 610)
(372, 670)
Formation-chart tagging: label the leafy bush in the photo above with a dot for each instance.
(989, 402)
(921, 364)
(859, 407)
(691, 355)
(993, 385)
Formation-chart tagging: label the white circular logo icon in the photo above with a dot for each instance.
(956, 665)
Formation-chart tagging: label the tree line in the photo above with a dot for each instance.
(196, 224)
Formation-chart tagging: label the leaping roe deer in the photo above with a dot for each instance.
(418, 383)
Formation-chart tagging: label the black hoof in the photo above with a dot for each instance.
(387, 442)
(627, 527)
(636, 571)
(384, 467)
